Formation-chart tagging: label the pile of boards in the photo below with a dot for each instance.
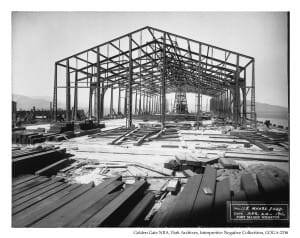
(202, 202)
(38, 201)
(266, 140)
(38, 160)
(33, 137)
(61, 127)
(188, 162)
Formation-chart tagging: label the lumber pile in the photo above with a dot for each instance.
(185, 160)
(61, 127)
(39, 201)
(264, 139)
(203, 200)
(30, 161)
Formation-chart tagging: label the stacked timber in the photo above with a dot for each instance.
(61, 127)
(30, 161)
(204, 199)
(188, 161)
(50, 202)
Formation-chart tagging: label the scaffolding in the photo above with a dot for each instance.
(145, 65)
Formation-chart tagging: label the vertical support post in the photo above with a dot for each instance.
(237, 94)
(111, 101)
(150, 99)
(244, 98)
(130, 82)
(98, 86)
(119, 100)
(102, 99)
(135, 104)
(143, 103)
(68, 93)
(147, 103)
(163, 103)
(95, 101)
(75, 97)
(140, 99)
(199, 78)
(125, 101)
(91, 99)
(253, 111)
(55, 94)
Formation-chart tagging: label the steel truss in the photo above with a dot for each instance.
(146, 64)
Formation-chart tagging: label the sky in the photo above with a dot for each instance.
(41, 38)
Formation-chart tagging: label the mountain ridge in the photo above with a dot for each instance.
(263, 110)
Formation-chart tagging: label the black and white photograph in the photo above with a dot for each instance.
(150, 119)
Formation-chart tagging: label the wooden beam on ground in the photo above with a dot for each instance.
(179, 213)
(222, 196)
(35, 200)
(35, 194)
(70, 211)
(35, 189)
(28, 185)
(92, 210)
(111, 213)
(162, 211)
(270, 158)
(273, 189)
(53, 168)
(23, 179)
(250, 187)
(138, 213)
(201, 213)
(229, 163)
(36, 212)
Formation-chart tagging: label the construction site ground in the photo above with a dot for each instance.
(97, 159)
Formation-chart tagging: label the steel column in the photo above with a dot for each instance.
(68, 93)
(55, 94)
(163, 105)
(130, 80)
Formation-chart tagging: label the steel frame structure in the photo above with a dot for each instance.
(146, 64)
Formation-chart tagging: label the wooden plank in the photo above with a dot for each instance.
(119, 139)
(22, 179)
(250, 187)
(112, 213)
(92, 210)
(201, 212)
(37, 199)
(136, 215)
(229, 163)
(53, 168)
(169, 146)
(32, 195)
(179, 213)
(153, 169)
(252, 152)
(217, 141)
(273, 189)
(206, 161)
(188, 172)
(162, 211)
(270, 158)
(44, 153)
(36, 188)
(36, 212)
(173, 185)
(28, 185)
(222, 196)
(71, 210)
(253, 141)
(239, 196)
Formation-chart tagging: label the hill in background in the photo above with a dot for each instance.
(263, 110)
